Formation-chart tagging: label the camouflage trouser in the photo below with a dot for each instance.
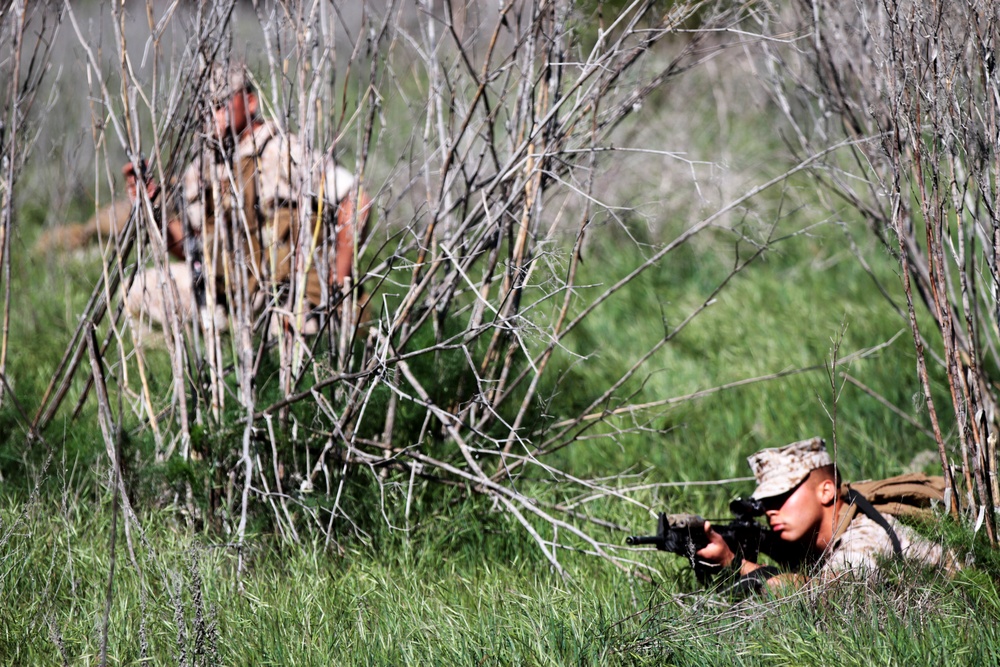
(145, 302)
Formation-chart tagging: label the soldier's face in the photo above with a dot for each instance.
(233, 116)
(798, 514)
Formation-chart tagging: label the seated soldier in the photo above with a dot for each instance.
(265, 210)
(799, 489)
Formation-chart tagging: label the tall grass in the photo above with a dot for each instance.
(463, 587)
(464, 584)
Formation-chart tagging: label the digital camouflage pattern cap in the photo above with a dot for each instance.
(780, 469)
(227, 79)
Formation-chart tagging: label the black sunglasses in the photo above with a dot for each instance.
(775, 502)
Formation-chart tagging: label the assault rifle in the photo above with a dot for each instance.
(684, 535)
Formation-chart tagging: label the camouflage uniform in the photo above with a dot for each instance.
(286, 181)
(268, 190)
(286, 175)
(863, 542)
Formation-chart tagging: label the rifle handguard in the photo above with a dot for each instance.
(684, 535)
(673, 533)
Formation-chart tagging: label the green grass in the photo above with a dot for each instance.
(906, 617)
(477, 595)
(797, 307)
(431, 599)
(466, 584)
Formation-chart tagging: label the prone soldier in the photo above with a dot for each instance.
(838, 528)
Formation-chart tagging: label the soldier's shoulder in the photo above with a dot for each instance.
(864, 535)
(864, 538)
(265, 142)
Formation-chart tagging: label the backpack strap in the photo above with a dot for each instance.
(910, 495)
(866, 508)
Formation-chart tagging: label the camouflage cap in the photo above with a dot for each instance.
(227, 79)
(780, 469)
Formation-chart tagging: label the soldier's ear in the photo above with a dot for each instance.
(826, 492)
(253, 104)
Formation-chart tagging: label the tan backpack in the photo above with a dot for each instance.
(904, 495)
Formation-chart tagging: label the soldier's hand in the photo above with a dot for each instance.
(132, 178)
(716, 551)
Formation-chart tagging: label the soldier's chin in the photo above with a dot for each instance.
(782, 532)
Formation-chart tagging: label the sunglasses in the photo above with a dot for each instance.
(776, 502)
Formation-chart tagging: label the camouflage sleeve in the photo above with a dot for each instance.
(192, 185)
(290, 173)
(339, 181)
(864, 543)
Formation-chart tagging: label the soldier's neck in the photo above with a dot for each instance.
(827, 525)
(251, 128)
